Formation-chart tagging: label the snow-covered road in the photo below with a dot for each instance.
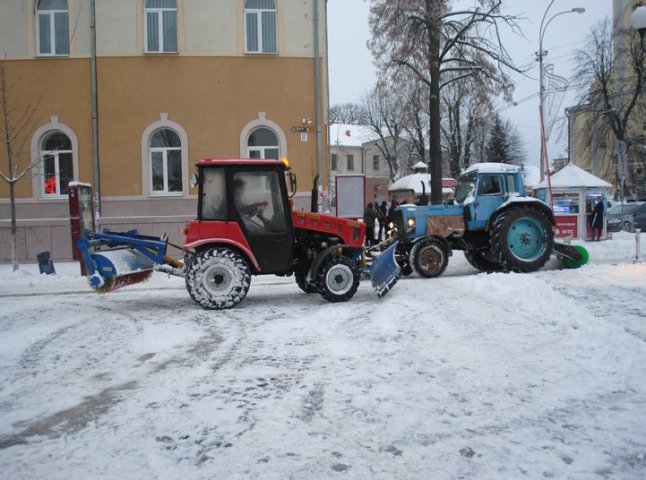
(467, 376)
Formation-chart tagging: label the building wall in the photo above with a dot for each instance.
(210, 90)
(590, 148)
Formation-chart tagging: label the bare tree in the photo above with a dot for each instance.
(350, 113)
(440, 46)
(465, 112)
(385, 115)
(613, 87)
(13, 128)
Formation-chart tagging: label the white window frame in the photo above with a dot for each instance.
(37, 177)
(164, 151)
(146, 172)
(263, 122)
(57, 169)
(257, 12)
(51, 14)
(159, 14)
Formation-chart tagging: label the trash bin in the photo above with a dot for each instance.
(45, 263)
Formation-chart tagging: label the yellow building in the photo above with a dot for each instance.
(175, 81)
(593, 146)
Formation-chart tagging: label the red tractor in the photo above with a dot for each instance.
(245, 226)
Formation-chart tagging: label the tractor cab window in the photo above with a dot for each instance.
(258, 201)
(214, 200)
(466, 186)
(511, 184)
(489, 185)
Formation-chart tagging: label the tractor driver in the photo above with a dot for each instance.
(252, 214)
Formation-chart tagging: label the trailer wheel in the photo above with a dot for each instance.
(337, 279)
(218, 278)
(429, 257)
(483, 260)
(302, 283)
(522, 239)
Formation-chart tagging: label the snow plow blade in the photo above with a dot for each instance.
(384, 271)
(116, 259)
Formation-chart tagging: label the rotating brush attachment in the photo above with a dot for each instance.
(114, 283)
(579, 262)
(119, 268)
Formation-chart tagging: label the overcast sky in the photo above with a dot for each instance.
(352, 72)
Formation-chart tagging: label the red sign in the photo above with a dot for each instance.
(449, 182)
(566, 226)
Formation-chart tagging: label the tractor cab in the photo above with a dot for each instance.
(483, 188)
(245, 203)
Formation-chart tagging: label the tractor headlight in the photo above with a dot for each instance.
(411, 223)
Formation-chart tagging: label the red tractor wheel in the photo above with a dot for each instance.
(337, 279)
(218, 278)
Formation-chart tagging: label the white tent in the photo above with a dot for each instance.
(572, 197)
(573, 176)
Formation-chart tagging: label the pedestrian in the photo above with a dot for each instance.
(369, 218)
(597, 219)
(382, 211)
(390, 217)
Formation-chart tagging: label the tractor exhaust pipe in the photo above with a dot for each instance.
(314, 204)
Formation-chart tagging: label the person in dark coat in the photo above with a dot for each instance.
(382, 211)
(390, 217)
(597, 219)
(369, 218)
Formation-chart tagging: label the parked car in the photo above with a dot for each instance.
(627, 217)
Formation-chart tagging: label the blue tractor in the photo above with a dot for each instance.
(492, 219)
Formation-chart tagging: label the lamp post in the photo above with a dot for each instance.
(540, 54)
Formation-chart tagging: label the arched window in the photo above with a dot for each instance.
(165, 157)
(52, 27)
(161, 25)
(260, 26)
(263, 143)
(57, 163)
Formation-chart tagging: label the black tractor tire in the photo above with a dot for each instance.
(402, 257)
(302, 283)
(337, 279)
(218, 278)
(522, 239)
(483, 260)
(429, 257)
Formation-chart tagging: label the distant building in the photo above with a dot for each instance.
(355, 150)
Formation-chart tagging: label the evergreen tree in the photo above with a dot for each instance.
(498, 148)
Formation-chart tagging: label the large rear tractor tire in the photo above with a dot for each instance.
(218, 278)
(337, 279)
(429, 257)
(483, 260)
(522, 239)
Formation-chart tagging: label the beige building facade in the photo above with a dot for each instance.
(176, 81)
(591, 145)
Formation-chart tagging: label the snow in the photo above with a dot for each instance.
(573, 176)
(348, 135)
(414, 182)
(466, 376)
(491, 167)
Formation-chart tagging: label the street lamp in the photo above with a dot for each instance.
(638, 20)
(540, 54)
